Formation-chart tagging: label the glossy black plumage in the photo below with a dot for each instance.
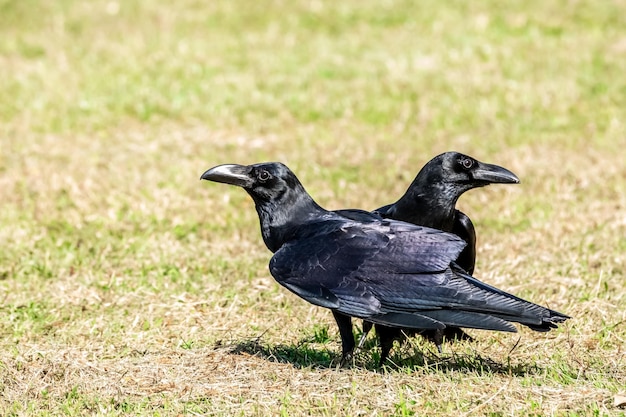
(384, 271)
(430, 201)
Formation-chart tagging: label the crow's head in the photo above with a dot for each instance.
(265, 182)
(280, 199)
(466, 172)
(432, 196)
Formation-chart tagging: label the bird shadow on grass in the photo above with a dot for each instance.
(301, 355)
(310, 355)
(474, 363)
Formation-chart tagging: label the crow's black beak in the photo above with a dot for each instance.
(494, 174)
(229, 174)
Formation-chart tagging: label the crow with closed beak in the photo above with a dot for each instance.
(384, 271)
(430, 201)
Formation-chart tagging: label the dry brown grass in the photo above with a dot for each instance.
(112, 330)
(129, 287)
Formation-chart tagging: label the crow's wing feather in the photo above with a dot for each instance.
(411, 320)
(469, 319)
(347, 267)
(397, 274)
(532, 313)
(457, 291)
(359, 215)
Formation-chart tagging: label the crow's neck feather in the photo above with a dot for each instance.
(281, 217)
(428, 203)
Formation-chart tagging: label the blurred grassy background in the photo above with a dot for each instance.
(127, 284)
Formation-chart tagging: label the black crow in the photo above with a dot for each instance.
(384, 271)
(430, 201)
(431, 198)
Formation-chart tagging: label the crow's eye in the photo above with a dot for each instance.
(467, 163)
(263, 175)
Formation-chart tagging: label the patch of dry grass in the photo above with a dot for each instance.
(129, 287)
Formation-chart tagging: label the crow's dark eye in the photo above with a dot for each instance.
(263, 175)
(467, 163)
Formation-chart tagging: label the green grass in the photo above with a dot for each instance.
(129, 287)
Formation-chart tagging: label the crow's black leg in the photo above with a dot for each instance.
(347, 338)
(367, 326)
(386, 336)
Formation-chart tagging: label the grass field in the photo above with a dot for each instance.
(129, 287)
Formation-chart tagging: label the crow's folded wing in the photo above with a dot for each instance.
(398, 274)
(347, 268)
